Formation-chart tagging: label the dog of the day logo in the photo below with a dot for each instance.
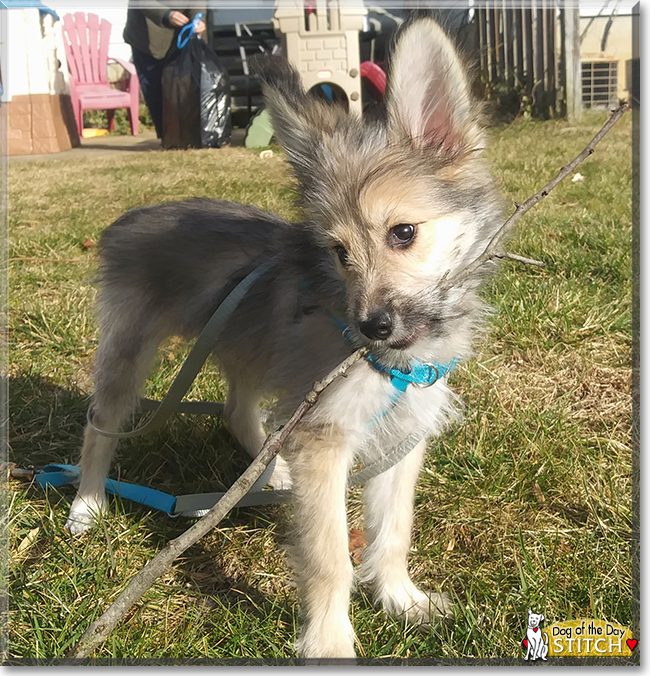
(576, 638)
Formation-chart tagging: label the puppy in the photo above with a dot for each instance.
(397, 206)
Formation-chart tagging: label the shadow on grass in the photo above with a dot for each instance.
(190, 454)
(123, 143)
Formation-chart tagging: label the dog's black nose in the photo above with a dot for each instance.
(378, 326)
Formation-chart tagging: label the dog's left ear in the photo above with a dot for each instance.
(300, 120)
(428, 101)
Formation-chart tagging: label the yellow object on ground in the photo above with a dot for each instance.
(91, 132)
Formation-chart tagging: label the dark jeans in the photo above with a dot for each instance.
(150, 75)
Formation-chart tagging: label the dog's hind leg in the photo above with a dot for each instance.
(389, 518)
(121, 367)
(243, 415)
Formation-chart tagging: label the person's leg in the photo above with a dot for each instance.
(150, 75)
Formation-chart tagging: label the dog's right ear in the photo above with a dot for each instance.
(300, 120)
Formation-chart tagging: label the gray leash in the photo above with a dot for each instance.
(197, 504)
(192, 365)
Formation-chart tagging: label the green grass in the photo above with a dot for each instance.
(526, 504)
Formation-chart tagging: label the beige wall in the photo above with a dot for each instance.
(618, 47)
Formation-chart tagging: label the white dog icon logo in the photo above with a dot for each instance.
(536, 640)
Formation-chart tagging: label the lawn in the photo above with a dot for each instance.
(527, 504)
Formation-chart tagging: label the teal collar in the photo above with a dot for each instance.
(421, 374)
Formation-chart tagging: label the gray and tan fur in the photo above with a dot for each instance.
(395, 205)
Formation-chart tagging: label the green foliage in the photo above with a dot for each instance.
(525, 504)
(506, 101)
(98, 119)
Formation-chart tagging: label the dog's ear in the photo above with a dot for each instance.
(300, 120)
(429, 101)
(530, 612)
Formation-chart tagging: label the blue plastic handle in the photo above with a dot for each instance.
(60, 475)
(188, 30)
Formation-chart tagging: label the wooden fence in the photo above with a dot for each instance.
(522, 52)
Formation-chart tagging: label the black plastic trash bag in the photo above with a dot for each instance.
(196, 99)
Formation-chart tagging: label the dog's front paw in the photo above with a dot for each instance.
(429, 607)
(84, 514)
(281, 478)
(320, 642)
(418, 606)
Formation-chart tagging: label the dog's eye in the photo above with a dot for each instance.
(401, 235)
(342, 253)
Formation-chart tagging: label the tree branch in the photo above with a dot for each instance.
(520, 259)
(490, 251)
(39, 259)
(140, 583)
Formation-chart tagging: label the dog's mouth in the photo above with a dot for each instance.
(406, 341)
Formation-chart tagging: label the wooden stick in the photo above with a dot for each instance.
(140, 583)
(490, 251)
(44, 260)
(521, 259)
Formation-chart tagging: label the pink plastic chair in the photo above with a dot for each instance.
(86, 49)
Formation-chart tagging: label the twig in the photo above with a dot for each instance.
(44, 260)
(521, 259)
(140, 583)
(490, 251)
